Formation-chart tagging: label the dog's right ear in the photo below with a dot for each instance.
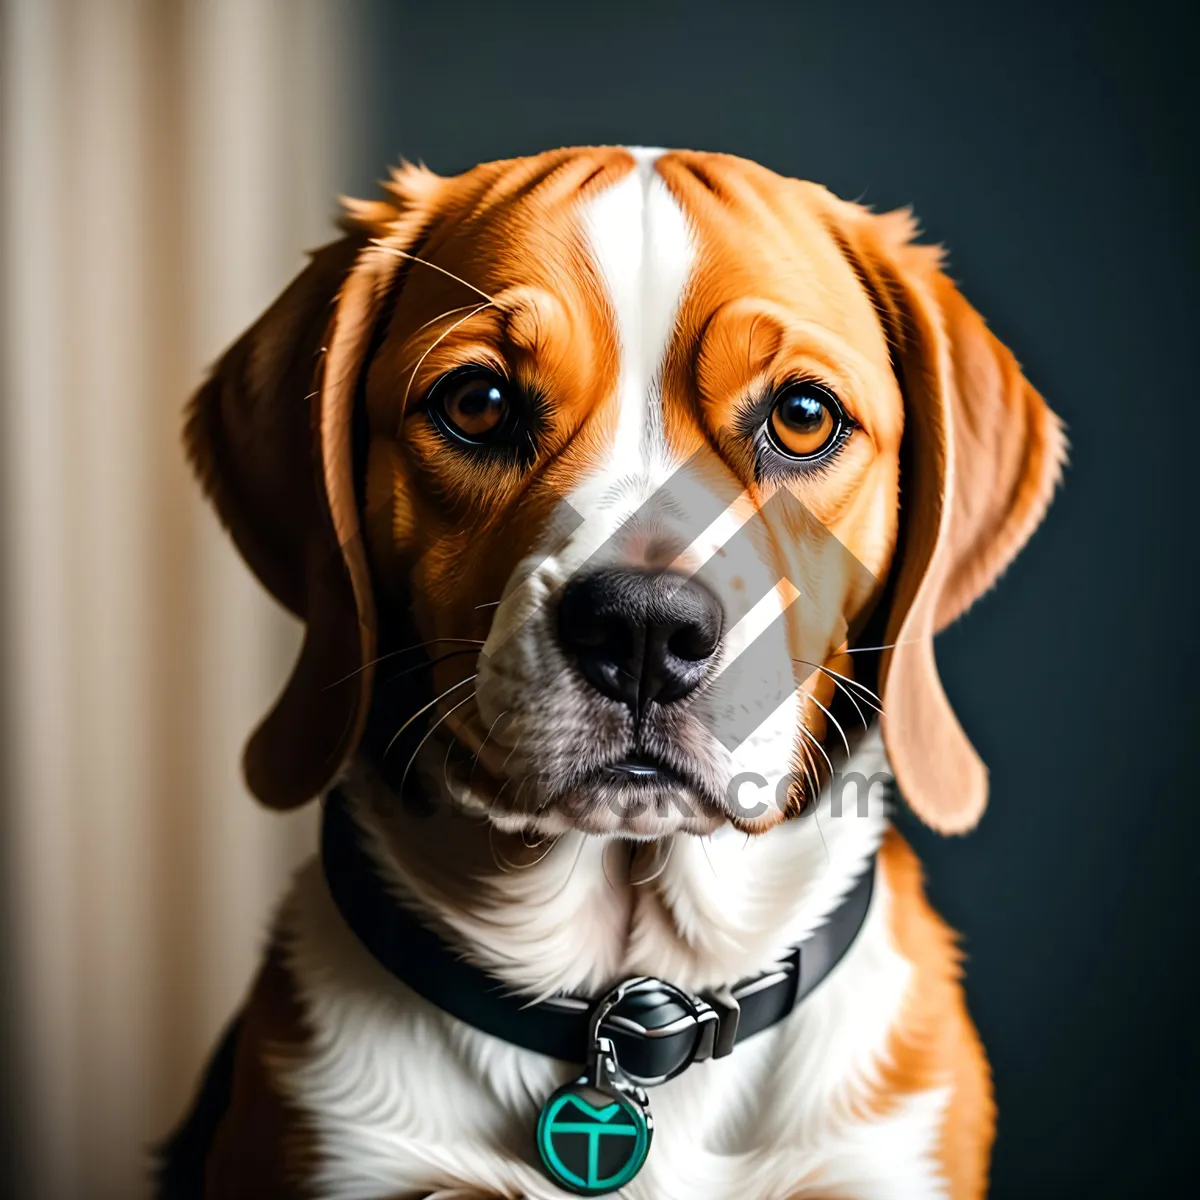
(254, 436)
(270, 438)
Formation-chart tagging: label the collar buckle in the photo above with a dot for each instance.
(657, 1029)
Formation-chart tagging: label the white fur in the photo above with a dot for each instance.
(404, 1100)
(642, 247)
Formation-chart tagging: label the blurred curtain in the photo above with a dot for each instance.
(164, 165)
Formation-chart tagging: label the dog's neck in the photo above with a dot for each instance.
(576, 913)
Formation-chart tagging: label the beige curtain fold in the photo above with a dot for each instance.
(163, 167)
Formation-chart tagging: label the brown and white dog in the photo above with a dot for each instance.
(541, 372)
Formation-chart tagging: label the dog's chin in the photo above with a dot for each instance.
(638, 818)
(611, 808)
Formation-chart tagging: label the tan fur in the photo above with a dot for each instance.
(935, 1041)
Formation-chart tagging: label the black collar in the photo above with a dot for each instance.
(657, 1029)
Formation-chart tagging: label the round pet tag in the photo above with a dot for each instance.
(593, 1141)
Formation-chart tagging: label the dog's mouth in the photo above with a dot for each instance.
(630, 791)
(636, 769)
(635, 795)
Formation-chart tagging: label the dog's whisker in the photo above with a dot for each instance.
(840, 681)
(531, 845)
(434, 641)
(518, 801)
(475, 760)
(437, 341)
(854, 697)
(816, 742)
(816, 801)
(508, 779)
(433, 662)
(507, 868)
(604, 865)
(426, 707)
(570, 872)
(412, 758)
(442, 316)
(889, 646)
(836, 722)
(446, 763)
(838, 684)
(862, 688)
(502, 865)
(662, 866)
(549, 843)
(824, 843)
(516, 747)
(809, 774)
(396, 653)
(381, 245)
(812, 779)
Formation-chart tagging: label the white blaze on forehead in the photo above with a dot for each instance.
(643, 251)
(642, 247)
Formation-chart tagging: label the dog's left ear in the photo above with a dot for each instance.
(983, 454)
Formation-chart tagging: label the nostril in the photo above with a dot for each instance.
(693, 643)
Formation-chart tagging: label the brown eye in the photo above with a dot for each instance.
(806, 421)
(474, 407)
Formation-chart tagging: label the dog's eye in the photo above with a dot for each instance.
(806, 421)
(473, 405)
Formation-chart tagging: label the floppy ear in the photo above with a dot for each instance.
(982, 456)
(270, 437)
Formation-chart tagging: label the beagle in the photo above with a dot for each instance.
(621, 493)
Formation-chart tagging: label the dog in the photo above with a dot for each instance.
(621, 493)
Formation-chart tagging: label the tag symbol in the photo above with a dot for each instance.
(591, 1141)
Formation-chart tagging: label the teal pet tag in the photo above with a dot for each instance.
(593, 1135)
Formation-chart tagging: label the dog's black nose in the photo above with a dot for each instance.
(640, 636)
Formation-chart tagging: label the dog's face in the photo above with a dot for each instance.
(642, 357)
(620, 436)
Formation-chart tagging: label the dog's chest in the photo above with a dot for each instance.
(406, 1101)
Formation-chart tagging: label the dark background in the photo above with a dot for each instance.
(1050, 147)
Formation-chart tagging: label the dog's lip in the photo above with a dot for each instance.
(640, 769)
(632, 768)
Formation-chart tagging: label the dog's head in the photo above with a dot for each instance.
(629, 460)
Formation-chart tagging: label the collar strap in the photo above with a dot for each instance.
(657, 1030)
